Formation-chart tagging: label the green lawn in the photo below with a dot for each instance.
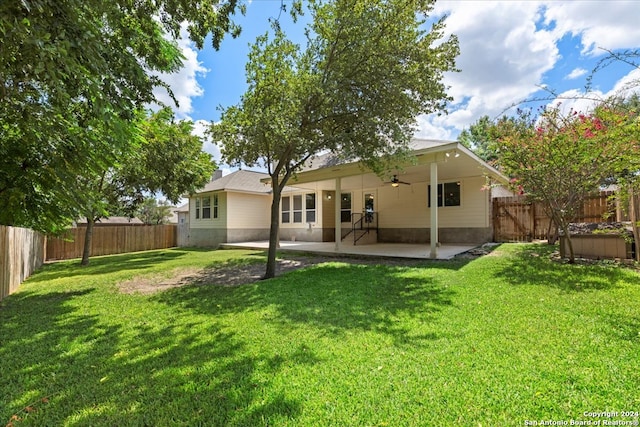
(499, 340)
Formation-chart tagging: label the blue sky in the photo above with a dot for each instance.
(509, 50)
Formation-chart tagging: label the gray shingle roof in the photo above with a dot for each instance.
(242, 181)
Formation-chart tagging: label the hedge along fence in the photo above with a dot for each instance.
(21, 253)
(113, 239)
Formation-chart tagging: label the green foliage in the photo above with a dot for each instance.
(478, 139)
(73, 73)
(368, 70)
(167, 158)
(153, 212)
(339, 343)
(560, 159)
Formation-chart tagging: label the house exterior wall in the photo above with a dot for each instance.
(209, 223)
(404, 215)
(304, 231)
(183, 229)
(204, 232)
(207, 237)
(241, 217)
(250, 217)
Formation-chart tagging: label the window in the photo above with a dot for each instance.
(310, 207)
(286, 210)
(197, 207)
(345, 207)
(206, 207)
(215, 206)
(297, 208)
(449, 192)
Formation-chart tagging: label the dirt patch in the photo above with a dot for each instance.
(225, 275)
(235, 275)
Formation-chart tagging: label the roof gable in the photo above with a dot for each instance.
(245, 181)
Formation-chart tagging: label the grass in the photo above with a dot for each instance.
(499, 340)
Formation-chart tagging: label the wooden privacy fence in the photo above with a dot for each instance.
(21, 253)
(517, 220)
(113, 239)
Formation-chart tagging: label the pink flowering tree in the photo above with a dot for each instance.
(557, 159)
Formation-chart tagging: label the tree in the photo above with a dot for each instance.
(152, 212)
(478, 139)
(165, 158)
(368, 70)
(73, 73)
(558, 159)
(623, 117)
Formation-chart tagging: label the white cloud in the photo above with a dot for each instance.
(581, 101)
(506, 47)
(577, 72)
(610, 25)
(503, 56)
(184, 83)
(199, 128)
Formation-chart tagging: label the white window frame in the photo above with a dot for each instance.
(310, 211)
(286, 211)
(297, 208)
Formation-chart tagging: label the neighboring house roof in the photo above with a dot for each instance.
(244, 181)
(113, 220)
(183, 208)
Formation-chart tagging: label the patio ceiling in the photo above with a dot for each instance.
(454, 162)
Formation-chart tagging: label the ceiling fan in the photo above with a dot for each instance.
(395, 182)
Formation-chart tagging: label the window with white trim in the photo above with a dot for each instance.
(215, 206)
(297, 208)
(203, 207)
(206, 207)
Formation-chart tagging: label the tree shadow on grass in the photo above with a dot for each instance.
(333, 297)
(531, 265)
(107, 264)
(62, 366)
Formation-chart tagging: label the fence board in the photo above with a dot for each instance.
(21, 253)
(113, 239)
(515, 219)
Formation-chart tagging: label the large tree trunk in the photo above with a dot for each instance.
(273, 230)
(86, 251)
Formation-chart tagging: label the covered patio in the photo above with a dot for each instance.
(393, 214)
(385, 250)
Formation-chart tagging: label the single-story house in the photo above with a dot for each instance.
(229, 209)
(330, 199)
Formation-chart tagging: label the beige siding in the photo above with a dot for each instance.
(210, 223)
(406, 206)
(248, 210)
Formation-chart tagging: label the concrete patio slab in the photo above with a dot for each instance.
(390, 250)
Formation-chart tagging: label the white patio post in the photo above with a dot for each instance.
(338, 205)
(434, 209)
